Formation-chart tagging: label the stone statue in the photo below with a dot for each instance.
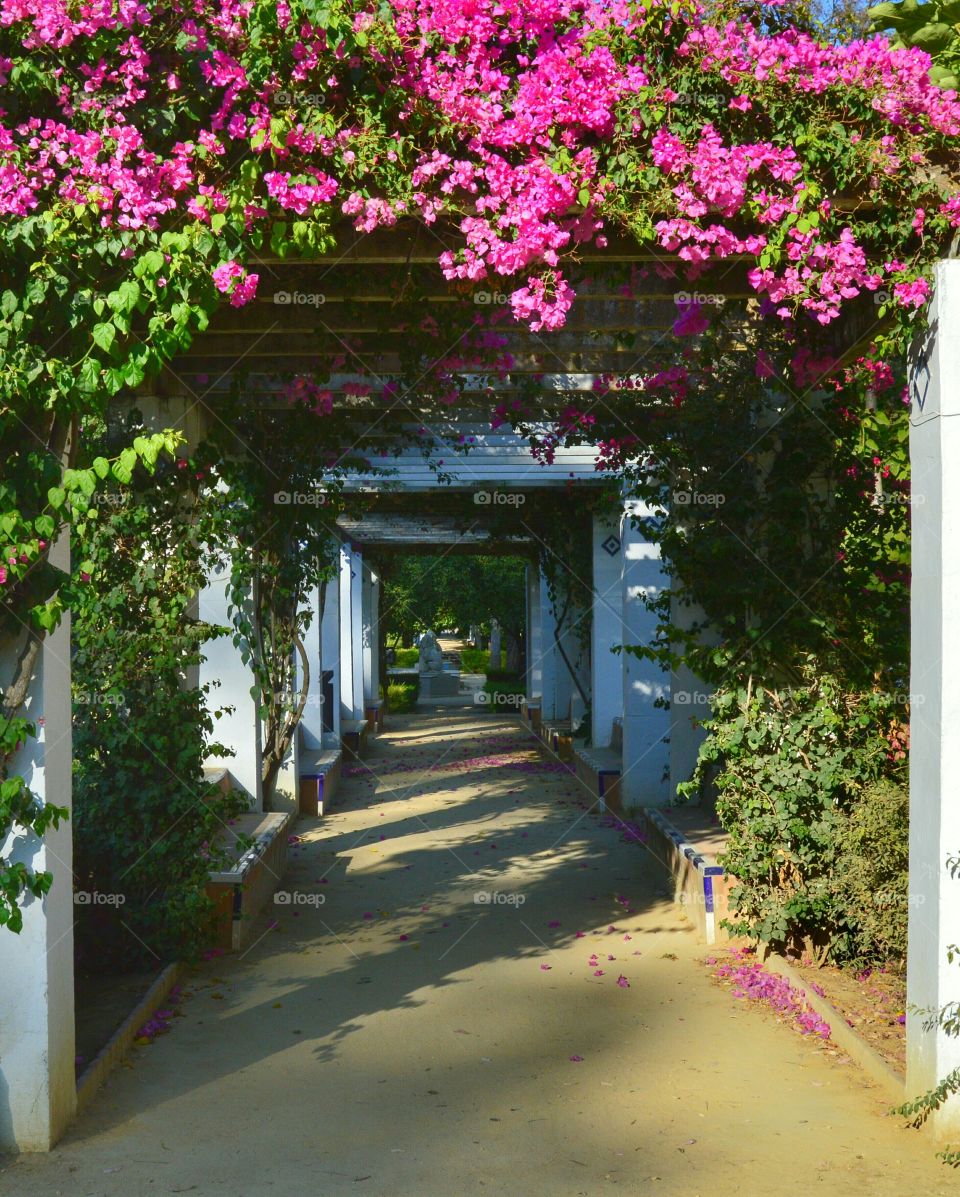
(431, 658)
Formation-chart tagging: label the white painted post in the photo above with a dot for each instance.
(496, 660)
(330, 650)
(311, 723)
(231, 683)
(534, 635)
(934, 896)
(606, 684)
(351, 632)
(38, 1092)
(550, 665)
(371, 634)
(646, 727)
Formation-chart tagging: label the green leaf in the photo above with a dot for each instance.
(104, 336)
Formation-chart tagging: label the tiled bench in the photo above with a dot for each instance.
(241, 890)
(373, 711)
(320, 770)
(599, 769)
(353, 736)
(530, 710)
(558, 737)
(700, 886)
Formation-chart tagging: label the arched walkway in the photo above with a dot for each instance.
(403, 1037)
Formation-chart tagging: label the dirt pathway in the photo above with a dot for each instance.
(406, 1037)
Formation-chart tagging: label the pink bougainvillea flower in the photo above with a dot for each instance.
(623, 982)
(545, 968)
(576, 1059)
(554, 923)
(691, 321)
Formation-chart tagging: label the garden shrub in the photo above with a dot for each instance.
(474, 660)
(506, 691)
(793, 764)
(406, 658)
(144, 816)
(402, 696)
(872, 873)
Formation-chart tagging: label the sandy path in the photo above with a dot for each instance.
(403, 1039)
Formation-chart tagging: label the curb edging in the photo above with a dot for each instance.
(119, 1043)
(843, 1035)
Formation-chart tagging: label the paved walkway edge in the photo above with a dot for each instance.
(109, 1056)
(843, 1035)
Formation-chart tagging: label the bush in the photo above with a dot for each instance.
(402, 696)
(474, 660)
(793, 766)
(872, 871)
(508, 692)
(502, 675)
(406, 658)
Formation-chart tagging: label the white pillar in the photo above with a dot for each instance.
(549, 657)
(371, 634)
(934, 909)
(38, 1092)
(496, 660)
(351, 633)
(311, 723)
(606, 684)
(646, 727)
(534, 634)
(231, 681)
(330, 653)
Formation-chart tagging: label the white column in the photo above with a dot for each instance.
(311, 723)
(330, 651)
(371, 634)
(549, 657)
(534, 634)
(646, 727)
(606, 684)
(934, 910)
(231, 681)
(496, 661)
(38, 1093)
(351, 633)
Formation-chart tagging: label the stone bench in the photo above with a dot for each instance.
(557, 735)
(701, 887)
(241, 888)
(353, 737)
(320, 770)
(599, 769)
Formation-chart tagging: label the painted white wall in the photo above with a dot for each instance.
(549, 663)
(934, 910)
(232, 680)
(689, 700)
(534, 634)
(38, 1093)
(371, 633)
(351, 632)
(646, 727)
(606, 682)
(311, 723)
(330, 647)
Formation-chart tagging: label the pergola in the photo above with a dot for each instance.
(606, 333)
